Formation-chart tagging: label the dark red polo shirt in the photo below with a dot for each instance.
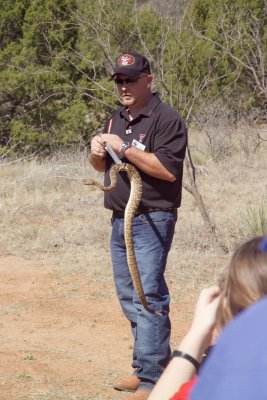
(160, 129)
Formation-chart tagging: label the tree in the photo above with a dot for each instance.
(36, 81)
(56, 59)
(238, 33)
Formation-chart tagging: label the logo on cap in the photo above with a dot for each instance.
(126, 59)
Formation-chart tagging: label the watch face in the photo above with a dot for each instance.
(124, 147)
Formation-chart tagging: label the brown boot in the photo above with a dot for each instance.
(129, 384)
(139, 395)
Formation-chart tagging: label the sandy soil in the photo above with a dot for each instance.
(60, 337)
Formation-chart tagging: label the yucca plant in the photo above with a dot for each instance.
(254, 219)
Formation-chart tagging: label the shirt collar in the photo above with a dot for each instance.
(147, 110)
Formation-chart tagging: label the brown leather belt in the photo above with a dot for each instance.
(120, 214)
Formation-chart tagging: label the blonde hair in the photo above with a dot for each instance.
(245, 281)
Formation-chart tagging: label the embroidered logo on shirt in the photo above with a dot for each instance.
(141, 137)
(126, 59)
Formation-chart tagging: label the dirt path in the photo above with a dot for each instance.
(60, 338)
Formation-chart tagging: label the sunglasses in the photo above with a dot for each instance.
(128, 81)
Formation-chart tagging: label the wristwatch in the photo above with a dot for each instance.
(124, 147)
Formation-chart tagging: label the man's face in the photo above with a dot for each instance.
(134, 93)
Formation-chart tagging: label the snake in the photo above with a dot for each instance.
(130, 211)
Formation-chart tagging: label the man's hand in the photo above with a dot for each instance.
(98, 154)
(114, 140)
(97, 148)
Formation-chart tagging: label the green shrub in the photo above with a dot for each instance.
(254, 219)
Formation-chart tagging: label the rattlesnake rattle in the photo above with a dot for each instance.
(131, 207)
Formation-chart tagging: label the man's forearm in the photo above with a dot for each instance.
(148, 163)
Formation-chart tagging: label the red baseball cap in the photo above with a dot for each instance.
(131, 64)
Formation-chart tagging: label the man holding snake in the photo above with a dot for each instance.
(150, 135)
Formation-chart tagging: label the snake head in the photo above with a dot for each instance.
(87, 182)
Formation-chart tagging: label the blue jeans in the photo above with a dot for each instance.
(152, 235)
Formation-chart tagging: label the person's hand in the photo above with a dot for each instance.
(97, 147)
(114, 140)
(205, 314)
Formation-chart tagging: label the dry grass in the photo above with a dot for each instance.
(46, 212)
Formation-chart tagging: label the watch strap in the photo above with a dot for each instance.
(124, 147)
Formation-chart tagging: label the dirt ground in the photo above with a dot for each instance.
(61, 338)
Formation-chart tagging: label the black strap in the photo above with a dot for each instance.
(182, 354)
